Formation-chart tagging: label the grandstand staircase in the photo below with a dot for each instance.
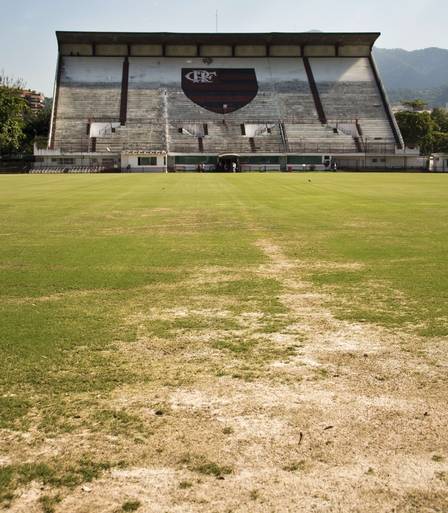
(223, 137)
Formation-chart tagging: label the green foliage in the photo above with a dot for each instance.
(12, 111)
(20, 127)
(416, 128)
(427, 144)
(440, 142)
(36, 127)
(440, 118)
(428, 131)
(415, 105)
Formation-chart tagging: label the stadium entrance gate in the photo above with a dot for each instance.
(228, 163)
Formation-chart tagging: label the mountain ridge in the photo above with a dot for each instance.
(419, 73)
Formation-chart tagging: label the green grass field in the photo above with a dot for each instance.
(157, 331)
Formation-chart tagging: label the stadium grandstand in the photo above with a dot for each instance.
(178, 101)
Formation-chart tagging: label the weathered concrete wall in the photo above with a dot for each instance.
(354, 51)
(81, 49)
(102, 129)
(154, 50)
(320, 51)
(181, 50)
(130, 162)
(146, 50)
(285, 51)
(250, 51)
(360, 162)
(216, 51)
(287, 71)
(145, 72)
(342, 70)
(283, 86)
(98, 70)
(112, 50)
(166, 72)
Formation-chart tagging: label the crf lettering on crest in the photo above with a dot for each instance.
(201, 76)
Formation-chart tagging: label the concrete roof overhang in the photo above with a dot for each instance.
(271, 38)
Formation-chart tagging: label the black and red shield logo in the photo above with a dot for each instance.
(220, 90)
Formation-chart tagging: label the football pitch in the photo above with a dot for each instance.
(224, 343)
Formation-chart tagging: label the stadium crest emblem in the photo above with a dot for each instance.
(220, 90)
(201, 76)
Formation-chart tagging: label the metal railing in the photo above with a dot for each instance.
(287, 139)
(210, 146)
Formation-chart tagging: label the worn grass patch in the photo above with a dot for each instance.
(130, 506)
(13, 411)
(200, 465)
(53, 474)
(161, 333)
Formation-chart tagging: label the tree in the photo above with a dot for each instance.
(427, 144)
(440, 118)
(440, 142)
(36, 128)
(416, 105)
(19, 125)
(12, 111)
(417, 129)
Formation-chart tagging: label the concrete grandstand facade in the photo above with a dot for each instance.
(152, 102)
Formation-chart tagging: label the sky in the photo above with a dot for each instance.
(27, 27)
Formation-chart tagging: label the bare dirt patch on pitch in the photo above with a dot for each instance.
(248, 410)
